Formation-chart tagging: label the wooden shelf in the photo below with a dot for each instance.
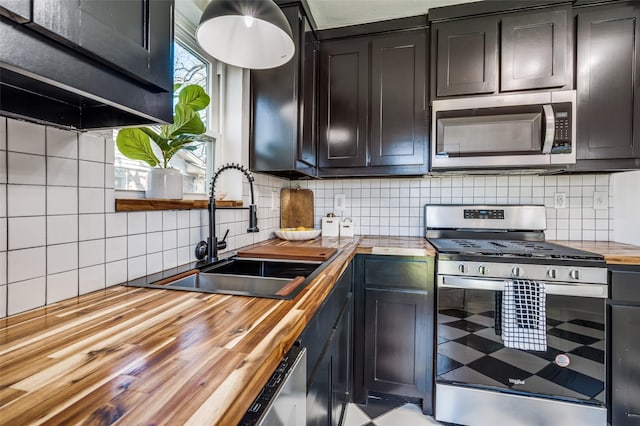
(137, 204)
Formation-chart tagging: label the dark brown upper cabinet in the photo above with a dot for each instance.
(117, 34)
(533, 51)
(536, 50)
(373, 105)
(398, 99)
(283, 125)
(343, 113)
(87, 64)
(608, 87)
(466, 56)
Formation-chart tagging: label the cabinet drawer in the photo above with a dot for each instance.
(625, 284)
(396, 272)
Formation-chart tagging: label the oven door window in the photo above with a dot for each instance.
(470, 349)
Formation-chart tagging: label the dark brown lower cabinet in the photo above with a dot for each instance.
(624, 345)
(395, 342)
(328, 339)
(394, 328)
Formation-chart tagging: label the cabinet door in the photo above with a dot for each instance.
(608, 82)
(17, 10)
(344, 102)
(535, 50)
(134, 36)
(625, 365)
(342, 364)
(466, 56)
(307, 151)
(396, 342)
(319, 392)
(398, 99)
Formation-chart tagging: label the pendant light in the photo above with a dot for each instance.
(246, 33)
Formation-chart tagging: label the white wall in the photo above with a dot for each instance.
(625, 196)
(60, 235)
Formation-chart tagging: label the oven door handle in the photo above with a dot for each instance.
(565, 289)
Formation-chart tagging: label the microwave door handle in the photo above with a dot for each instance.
(550, 123)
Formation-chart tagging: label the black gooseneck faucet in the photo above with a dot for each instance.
(211, 246)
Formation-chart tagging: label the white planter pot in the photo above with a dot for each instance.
(165, 184)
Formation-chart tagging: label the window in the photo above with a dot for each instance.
(190, 67)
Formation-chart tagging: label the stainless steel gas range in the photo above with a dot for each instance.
(521, 322)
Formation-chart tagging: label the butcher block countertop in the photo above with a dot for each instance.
(147, 356)
(614, 253)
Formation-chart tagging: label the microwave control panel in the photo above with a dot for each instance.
(563, 129)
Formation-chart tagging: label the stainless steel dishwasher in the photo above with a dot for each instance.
(282, 401)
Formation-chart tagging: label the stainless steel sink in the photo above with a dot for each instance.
(270, 278)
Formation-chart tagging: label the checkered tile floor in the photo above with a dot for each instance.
(380, 412)
(469, 350)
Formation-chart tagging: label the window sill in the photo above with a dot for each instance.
(136, 204)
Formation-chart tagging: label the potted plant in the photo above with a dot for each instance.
(135, 143)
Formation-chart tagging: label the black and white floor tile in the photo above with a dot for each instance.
(378, 412)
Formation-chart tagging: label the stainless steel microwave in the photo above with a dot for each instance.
(504, 131)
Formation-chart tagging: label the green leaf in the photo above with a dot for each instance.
(159, 140)
(181, 117)
(134, 143)
(176, 86)
(194, 97)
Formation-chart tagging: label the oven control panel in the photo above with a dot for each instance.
(547, 273)
(484, 214)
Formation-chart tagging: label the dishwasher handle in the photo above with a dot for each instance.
(599, 291)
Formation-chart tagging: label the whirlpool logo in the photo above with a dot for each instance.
(516, 381)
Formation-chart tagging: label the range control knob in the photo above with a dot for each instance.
(552, 273)
(482, 270)
(462, 268)
(516, 271)
(574, 274)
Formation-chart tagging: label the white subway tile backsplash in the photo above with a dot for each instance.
(62, 171)
(62, 286)
(3, 167)
(25, 137)
(3, 133)
(26, 169)
(90, 200)
(169, 259)
(62, 200)
(136, 267)
(169, 240)
(26, 264)
(169, 220)
(3, 301)
(154, 221)
(62, 229)
(62, 143)
(154, 242)
(116, 224)
(136, 245)
(62, 257)
(91, 226)
(25, 295)
(25, 232)
(91, 279)
(3, 269)
(116, 273)
(115, 249)
(109, 176)
(3, 234)
(91, 253)
(183, 219)
(109, 200)
(91, 147)
(136, 223)
(154, 263)
(91, 174)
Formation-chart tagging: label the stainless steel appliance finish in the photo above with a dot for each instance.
(504, 131)
(479, 380)
(282, 402)
(467, 406)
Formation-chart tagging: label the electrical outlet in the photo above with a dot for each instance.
(600, 200)
(339, 202)
(560, 200)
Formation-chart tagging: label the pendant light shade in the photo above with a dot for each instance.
(246, 33)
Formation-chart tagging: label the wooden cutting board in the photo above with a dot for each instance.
(292, 253)
(296, 208)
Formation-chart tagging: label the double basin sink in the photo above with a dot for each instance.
(270, 278)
